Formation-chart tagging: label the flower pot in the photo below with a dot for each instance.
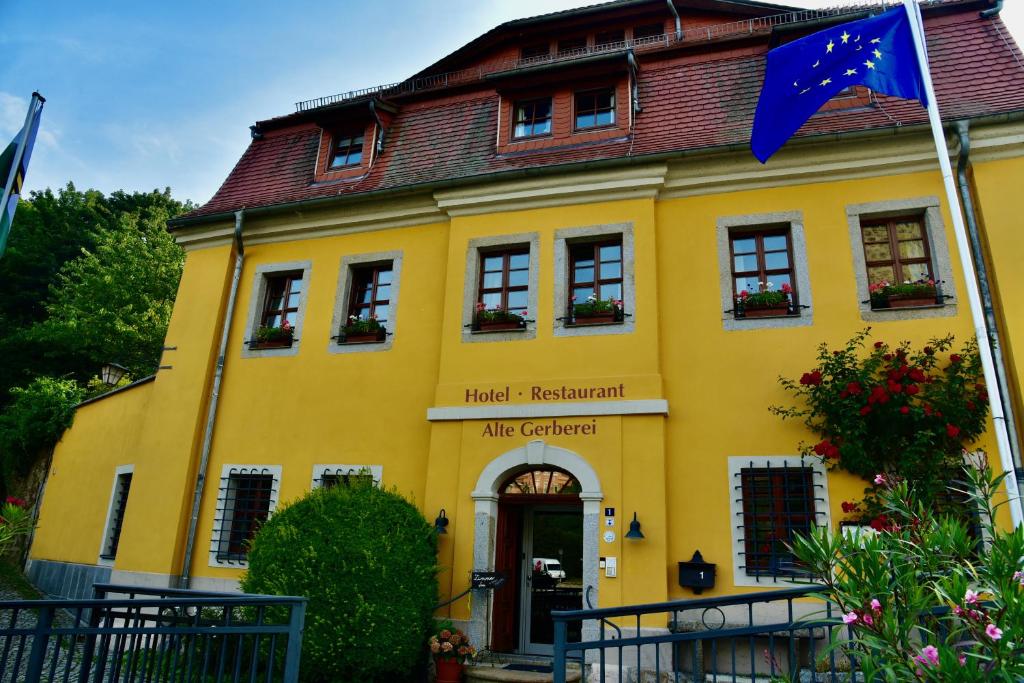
(767, 311)
(596, 319)
(448, 670)
(910, 300)
(494, 325)
(365, 337)
(276, 344)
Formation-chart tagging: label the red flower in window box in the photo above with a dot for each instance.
(907, 295)
(595, 311)
(274, 337)
(360, 330)
(766, 303)
(497, 319)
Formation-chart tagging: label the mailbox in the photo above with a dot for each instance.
(697, 574)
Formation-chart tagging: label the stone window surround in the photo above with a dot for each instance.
(821, 508)
(942, 266)
(593, 233)
(118, 471)
(729, 225)
(256, 301)
(471, 285)
(219, 527)
(344, 294)
(376, 472)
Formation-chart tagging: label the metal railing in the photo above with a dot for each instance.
(152, 635)
(749, 637)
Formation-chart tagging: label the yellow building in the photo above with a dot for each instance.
(595, 152)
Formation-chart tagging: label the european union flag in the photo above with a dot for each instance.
(801, 76)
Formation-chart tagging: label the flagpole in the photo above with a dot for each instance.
(967, 264)
(19, 154)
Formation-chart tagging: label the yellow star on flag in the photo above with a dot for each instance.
(877, 54)
(826, 82)
(875, 41)
(828, 48)
(845, 37)
(869, 64)
(850, 72)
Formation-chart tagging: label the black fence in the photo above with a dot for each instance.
(131, 634)
(750, 637)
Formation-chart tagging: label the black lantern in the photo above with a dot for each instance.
(112, 374)
(634, 529)
(441, 523)
(696, 574)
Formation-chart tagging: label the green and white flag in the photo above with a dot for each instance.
(13, 164)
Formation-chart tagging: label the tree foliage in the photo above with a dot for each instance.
(366, 559)
(35, 420)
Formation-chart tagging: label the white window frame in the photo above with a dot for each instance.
(222, 525)
(471, 285)
(726, 227)
(344, 293)
(376, 472)
(256, 301)
(114, 490)
(823, 514)
(581, 235)
(929, 208)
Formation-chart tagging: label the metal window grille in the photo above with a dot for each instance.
(338, 477)
(244, 503)
(124, 483)
(778, 503)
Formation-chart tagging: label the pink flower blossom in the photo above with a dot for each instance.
(970, 597)
(1019, 576)
(876, 605)
(962, 659)
(868, 619)
(993, 632)
(879, 479)
(929, 656)
(850, 618)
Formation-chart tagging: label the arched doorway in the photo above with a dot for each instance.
(531, 503)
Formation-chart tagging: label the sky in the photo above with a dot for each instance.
(144, 95)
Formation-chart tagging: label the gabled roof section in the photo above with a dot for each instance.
(605, 11)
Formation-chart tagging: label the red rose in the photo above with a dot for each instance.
(887, 356)
(955, 358)
(811, 378)
(848, 506)
(880, 523)
(853, 388)
(904, 409)
(970, 405)
(895, 387)
(917, 375)
(878, 395)
(879, 344)
(865, 410)
(929, 351)
(952, 430)
(927, 410)
(912, 389)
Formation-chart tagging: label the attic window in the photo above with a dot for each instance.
(572, 44)
(607, 37)
(533, 118)
(595, 108)
(648, 31)
(347, 150)
(538, 50)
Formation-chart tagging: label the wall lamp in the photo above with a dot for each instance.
(634, 529)
(441, 523)
(112, 373)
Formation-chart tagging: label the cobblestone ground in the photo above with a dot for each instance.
(14, 651)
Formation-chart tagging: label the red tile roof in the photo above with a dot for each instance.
(690, 101)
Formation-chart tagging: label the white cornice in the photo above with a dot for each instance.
(515, 411)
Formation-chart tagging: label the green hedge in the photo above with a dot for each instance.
(366, 559)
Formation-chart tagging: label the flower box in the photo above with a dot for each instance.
(767, 311)
(498, 325)
(365, 337)
(906, 295)
(279, 344)
(596, 319)
(909, 300)
(273, 337)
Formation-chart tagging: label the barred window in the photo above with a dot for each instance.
(247, 497)
(329, 480)
(122, 485)
(777, 504)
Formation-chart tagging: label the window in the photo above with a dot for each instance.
(595, 270)
(606, 37)
(280, 310)
(594, 261)
(778, 504)
(648, 31)
(538, 50)
(118, 502)
(595, 108)
(347, 151)
(572, 45)
(247, 497)
(896, 250)
(505, 280)
(370, 301)
(532, 118)
(329, 476)
(762, 261)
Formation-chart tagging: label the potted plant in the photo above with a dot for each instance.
(497, 318)
(273, 337)
(451, 650)
(359, 330)
(596, 311)
(919, 293)
(766, 303)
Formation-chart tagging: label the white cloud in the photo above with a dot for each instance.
(12, 117)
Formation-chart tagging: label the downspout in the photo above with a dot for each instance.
(211, 413)
(679, 25)
(380, 127)
(992, 11)
(985, 288)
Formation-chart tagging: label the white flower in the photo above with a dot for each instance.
(770, 284)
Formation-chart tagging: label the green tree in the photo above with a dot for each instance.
(35, 420)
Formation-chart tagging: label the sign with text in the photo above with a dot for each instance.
(488, 580)
(544, 394)
(535, 428)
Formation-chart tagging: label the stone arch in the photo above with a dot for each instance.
(485, 496)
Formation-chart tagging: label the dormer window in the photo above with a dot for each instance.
(347, 151)
(595, 108)
(533, 118)
(569, 45)
(648, 31)
(607, 37)
(533, 51)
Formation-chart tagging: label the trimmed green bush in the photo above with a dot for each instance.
(367, 560)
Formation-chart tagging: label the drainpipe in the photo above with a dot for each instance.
(992, 11)
(211, 413)
(985, 287)
(380, 126)
(679, 25)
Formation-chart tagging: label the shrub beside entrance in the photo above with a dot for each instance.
(366, 559)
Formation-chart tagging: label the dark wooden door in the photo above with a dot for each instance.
(507, 551)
